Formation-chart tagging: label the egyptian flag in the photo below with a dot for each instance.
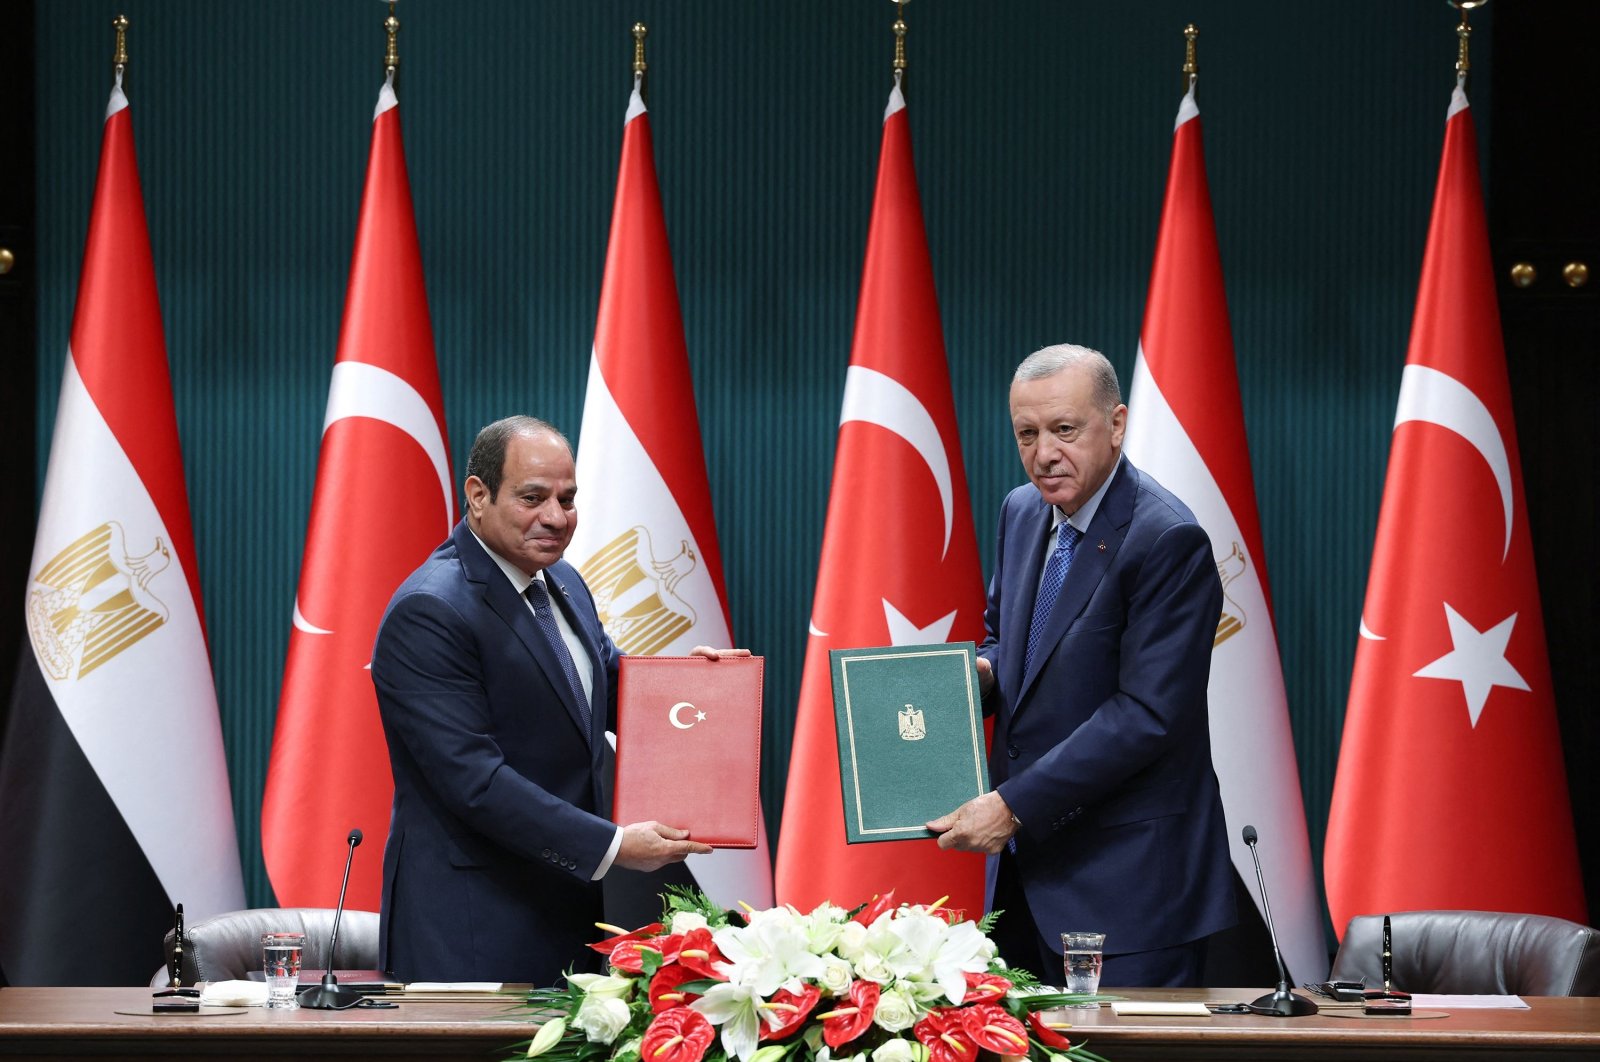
(384, 498)
(647, 543)
(899, 562)
(1451, 791)
(1186, 428)
(113, 784)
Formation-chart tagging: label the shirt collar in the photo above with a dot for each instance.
(520, 579)
(1085, 514)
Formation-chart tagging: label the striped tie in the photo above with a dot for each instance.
(1055, 575)
(539, 598)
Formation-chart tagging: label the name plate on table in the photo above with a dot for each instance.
(689, 746)
(910, 730)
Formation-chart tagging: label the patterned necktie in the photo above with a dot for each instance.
(539, 598)
(1055, 575)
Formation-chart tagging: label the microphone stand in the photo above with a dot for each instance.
(330, 995)
(1282, 1003)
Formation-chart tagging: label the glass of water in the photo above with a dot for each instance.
(280, 960)
(1082, 953)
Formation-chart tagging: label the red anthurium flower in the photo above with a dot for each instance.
(1046, 1035)
(698, 953)
(993, 1029)
(791, 1009)
(985, 988)
(949, 914)
(664, 994)
(869, 914)
(945, 1038)
(626, 955)
(846, 1022)
(677, 1035)
(608, 945)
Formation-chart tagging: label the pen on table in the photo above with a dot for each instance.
(1388, 958)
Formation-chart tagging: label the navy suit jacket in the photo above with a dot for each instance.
(502, 803)
(1102, 748)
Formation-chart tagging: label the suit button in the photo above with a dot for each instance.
(1011, 750)
(545, 854)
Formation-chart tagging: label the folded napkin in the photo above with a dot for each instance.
(454, 986)
(234, 994)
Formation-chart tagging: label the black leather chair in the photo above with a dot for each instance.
(227, 947)
(1475, 953)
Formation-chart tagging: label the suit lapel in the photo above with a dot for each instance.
(503, 599)
(1090, 562)
(1017, 611)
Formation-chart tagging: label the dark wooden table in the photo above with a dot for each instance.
(83, 1022)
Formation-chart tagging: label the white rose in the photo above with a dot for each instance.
(684, 921)
(601, 1018)
(896, 1050)
(873, 967)
(836, 976)
(895, 1012)
(852, 939)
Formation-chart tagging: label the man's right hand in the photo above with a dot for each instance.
(651, 846)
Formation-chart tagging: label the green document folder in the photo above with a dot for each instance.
(910, 737)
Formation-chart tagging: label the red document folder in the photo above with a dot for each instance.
(689, 746)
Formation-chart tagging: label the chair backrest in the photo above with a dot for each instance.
(228, 946)
(1475, 953)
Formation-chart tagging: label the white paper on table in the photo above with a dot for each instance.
(1420, 1000)
(234, 994)
(454, 986)
(1124, 1007)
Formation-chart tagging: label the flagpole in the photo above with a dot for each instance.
(639, 65)
(119, 60)
(1464, 38)
(391, 52)
(1191, 56)
(900, 41)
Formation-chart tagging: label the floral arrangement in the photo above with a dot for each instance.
(885, 982)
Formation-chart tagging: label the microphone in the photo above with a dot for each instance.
(329, 995)
(1282, 1003)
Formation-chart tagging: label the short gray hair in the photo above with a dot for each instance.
(1047, 361)
(487, 459)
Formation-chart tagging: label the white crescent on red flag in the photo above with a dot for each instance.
(1451, 790)
(113, 782)
(646, 542)
(899, 561)
(1186, 428)
(384, 498)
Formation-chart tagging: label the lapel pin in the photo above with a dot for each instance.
(1102, 546)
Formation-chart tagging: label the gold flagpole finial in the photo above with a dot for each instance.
(899, 39)
(1464, 36)
(391, 54)
(120, 60)
(1191, 60)
(639, 32)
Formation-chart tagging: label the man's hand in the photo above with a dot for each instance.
(985, 676)
(982, 824)
(708, 653)
(651, 846)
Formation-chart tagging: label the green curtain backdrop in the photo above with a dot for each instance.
(1042, 132)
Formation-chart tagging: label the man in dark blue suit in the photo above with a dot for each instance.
(496, 685)
(1105, 814)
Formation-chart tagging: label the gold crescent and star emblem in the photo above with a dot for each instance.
(676, 720)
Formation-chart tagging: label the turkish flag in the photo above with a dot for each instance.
(1186, 428)
(1450, 790)
(384, 498)
(899, 561)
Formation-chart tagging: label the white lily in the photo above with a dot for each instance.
(733, 1007)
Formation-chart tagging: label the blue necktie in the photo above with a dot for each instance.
(539, 598)
(1055, 576)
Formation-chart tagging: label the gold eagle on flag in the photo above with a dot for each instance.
(634, 592)
(92, 600)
